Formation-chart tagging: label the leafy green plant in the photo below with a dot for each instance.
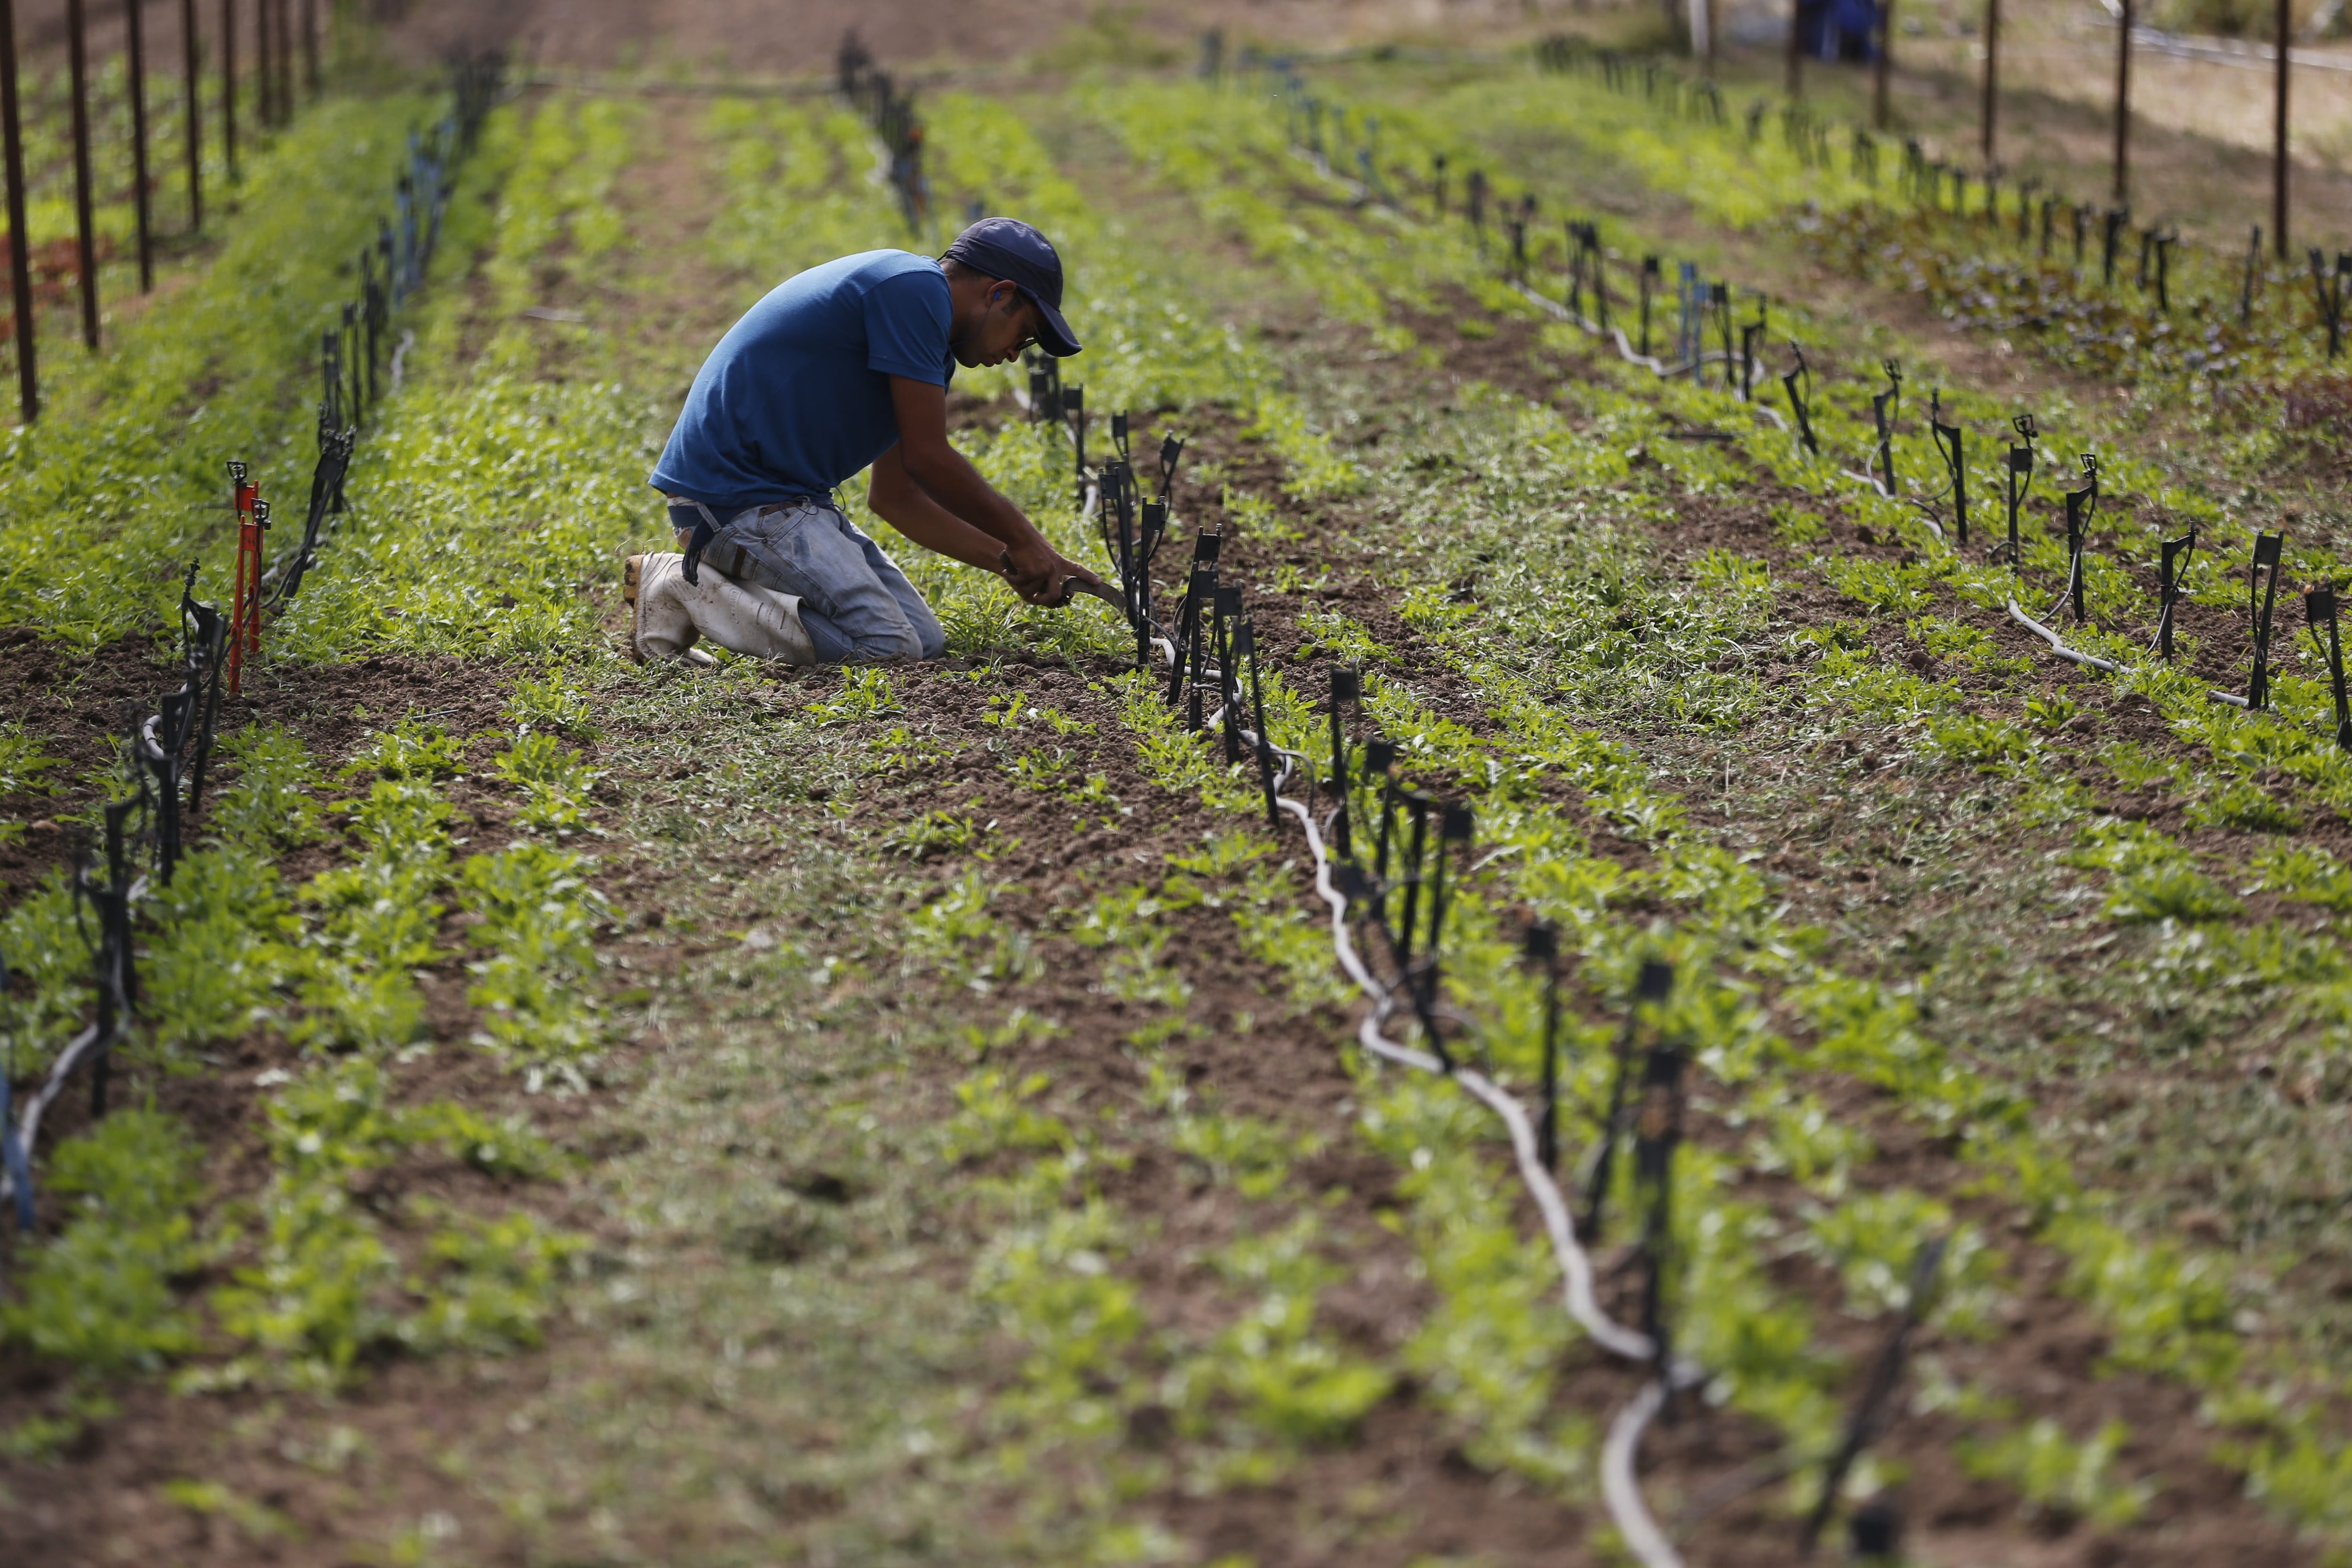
(934, 833)
(495, 1284)
(23, 764)
(866, 693)
(321, 1293)
(536, 914)
(2171, 890)
(101, 1295)
(551, 703)
(556, 780)
(2241, 803)
(2060, 1479)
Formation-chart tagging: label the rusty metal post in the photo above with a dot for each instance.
(189, 73)
(2123, 105)
(265, 77)
(1796, 48)
(76, 57)
(135, 27)
(282, 31)
(228, 86)
(1991, 79)
(2278, 130)
(1884, 65)
(20, 261)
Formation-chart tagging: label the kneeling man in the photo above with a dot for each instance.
(842, 366)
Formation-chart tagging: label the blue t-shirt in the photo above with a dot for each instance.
(796, 397)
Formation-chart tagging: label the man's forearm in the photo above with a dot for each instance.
(933, 526)
(949, 481)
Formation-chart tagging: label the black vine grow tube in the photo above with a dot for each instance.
(2332, 293)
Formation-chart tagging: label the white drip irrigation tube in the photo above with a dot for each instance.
(2058, 644)
(1625, 350)
(28, 1126)
(1620, 1487)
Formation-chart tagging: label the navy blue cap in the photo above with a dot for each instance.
(1010, 250)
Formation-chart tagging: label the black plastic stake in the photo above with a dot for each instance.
(1871, 1411)
(1074, 413)
(1542, 946)
(2173, 570)
(2021, 480)
(1649, 283)
(1657, 1133)
(1657, 979)
(1750, 334)
(2319, 609)
(1245, 652)
(1799, 385)
(1417, 806)
(1881, 409)
(2261, 594)
(2080, 507)
(1718, 297)
(2331, 293)
(1380, 763)
(1347, 687)
(1951, 441)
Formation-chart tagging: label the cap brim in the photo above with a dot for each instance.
(1053, 333)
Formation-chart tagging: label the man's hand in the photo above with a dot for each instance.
(1040, 575)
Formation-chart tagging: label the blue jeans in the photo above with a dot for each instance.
(856, 605)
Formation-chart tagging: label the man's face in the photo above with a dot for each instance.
(1009, 326)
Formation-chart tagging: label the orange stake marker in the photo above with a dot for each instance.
(245, 628)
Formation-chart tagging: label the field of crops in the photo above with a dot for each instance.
(1725, 938)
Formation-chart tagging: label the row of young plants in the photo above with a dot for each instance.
(1492, 1349)
(2096, 291)
(316, 1274)
(322, 1279)
(2092, 1239)
(2142, 500)
(125, 476)
(145, 804)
